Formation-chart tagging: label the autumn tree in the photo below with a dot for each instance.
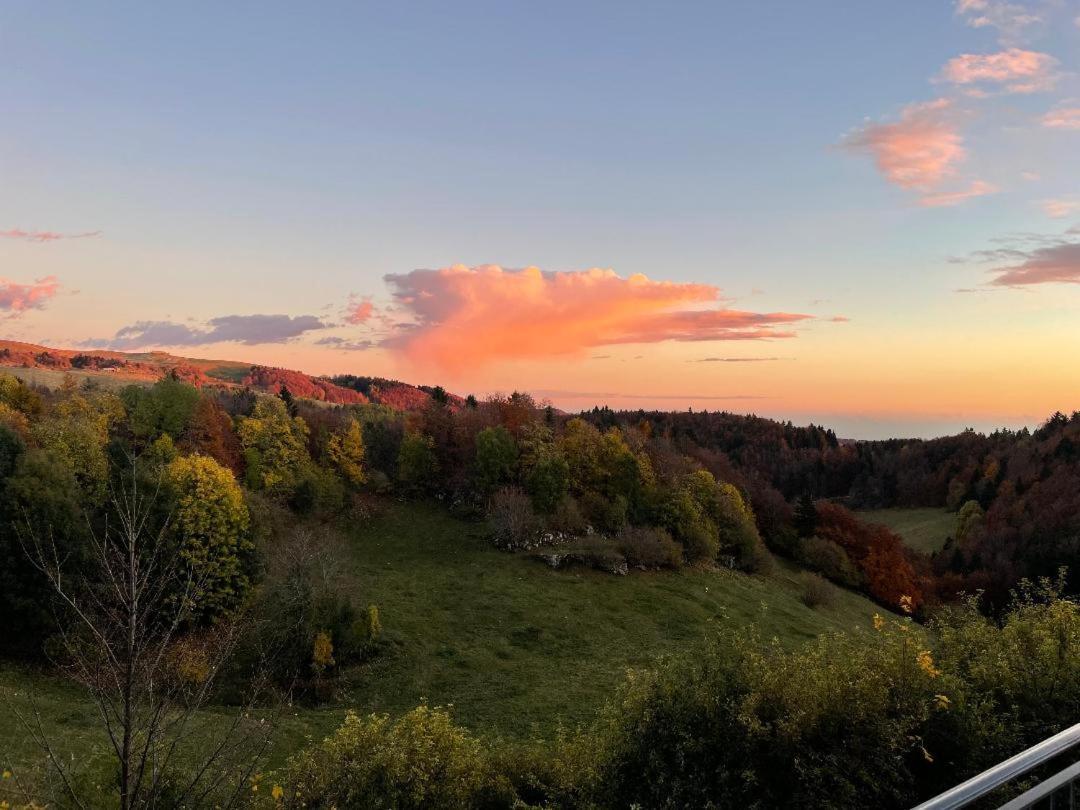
(210, 526)
(275, 447)
(345, 450)
(416, 462)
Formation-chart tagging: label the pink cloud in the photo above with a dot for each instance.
(978, 188)
(1062, 118)
(359, 312)
(917, 152)
(469, 316)
(1054, 264)
(45, 236)
(16, 298)
(1058, 209)
(1009, 18)
(839, 319)
(1013, 71)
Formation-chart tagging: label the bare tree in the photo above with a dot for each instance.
(126, 626)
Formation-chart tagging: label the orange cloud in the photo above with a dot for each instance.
(917, 152)
(1062, 118)
(45, 236)
(16, 298)
(1013, 70)
(468, 316)
(978, 188)
(359, 312)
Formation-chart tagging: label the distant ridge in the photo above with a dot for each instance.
(147, 367)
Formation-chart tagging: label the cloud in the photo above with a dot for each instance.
(250, 330)
(1054, 264)
(1010, 19)
(1058, 209)
(359, 311)
(45, 236)
(978, 188)
(1014, 70)
(345, 344)
(919, 151)
(1062, 118)
(16, 298)
(464, 317)
(839, 319)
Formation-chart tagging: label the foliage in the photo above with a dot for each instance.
(416, 462)
(167, 406)
(345, 449)
(816, 591)
(210, 525)
(548, 480)
(275, 447)
(421, 760)
(646, 547)
(496, 455)
(512, 521)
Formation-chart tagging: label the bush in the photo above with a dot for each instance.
(513, 523)
(648, 547)
(829, 560)
(607, 515)
(567, 517)
(815, 591)
(421, 760)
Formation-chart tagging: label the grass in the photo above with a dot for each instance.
(923, 529)
(515, 647)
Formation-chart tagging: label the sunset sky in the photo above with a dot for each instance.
(865, 214)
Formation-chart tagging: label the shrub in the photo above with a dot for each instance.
(567, 517)
(816, 591)
(513, 523)
(829, 560)
(421, 760)
(648, 547)
(606, 515)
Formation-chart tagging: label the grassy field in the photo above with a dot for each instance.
(515, 647)
(924, 530)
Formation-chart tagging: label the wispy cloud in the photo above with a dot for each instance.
(250, 330)
(978, 188)
(462, 317)
(1060, 208)
(1055, 264)
(1010, 19)
(346, 344)
(1062, 118)
(45, 236)
(16, 298)
(1014, 70)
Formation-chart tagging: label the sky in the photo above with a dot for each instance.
(860, 214)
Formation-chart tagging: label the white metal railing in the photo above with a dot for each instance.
(978, 786)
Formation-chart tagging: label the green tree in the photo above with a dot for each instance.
(210, 524)
(496, 454)
(165, 407)
(77, 431)
(275, 447)
(548, 481)
(806, 516)
(416, 463)
(41, 498)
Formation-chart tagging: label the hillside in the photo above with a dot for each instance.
(114, 368)
(511, 644)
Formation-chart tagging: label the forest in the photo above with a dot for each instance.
(157, 553)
